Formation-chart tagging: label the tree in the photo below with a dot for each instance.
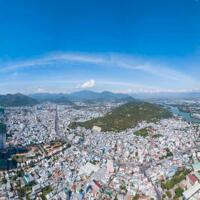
(136, 197)
(116, 198)
(169, 195)
(179, 192)
(4, 180)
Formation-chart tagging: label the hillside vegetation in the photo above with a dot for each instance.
(16, 100)
(126, 116)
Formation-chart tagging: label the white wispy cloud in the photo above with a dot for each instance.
(152, 68)
(13, 66)
(110, 60)
(88, 84)
(51, 59)
(128, 87)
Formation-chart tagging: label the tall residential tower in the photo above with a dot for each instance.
(2, 136)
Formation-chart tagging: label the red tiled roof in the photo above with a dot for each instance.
(192, 178)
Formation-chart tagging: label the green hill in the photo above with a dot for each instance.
(16, 100)
(126, 116)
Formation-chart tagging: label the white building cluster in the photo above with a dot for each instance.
(90, 164)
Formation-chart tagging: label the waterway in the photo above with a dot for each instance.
(185, 115)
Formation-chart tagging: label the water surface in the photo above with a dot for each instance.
(185, 115)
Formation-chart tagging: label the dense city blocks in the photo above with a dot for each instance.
(155, 156)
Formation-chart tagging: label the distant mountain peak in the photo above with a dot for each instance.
(17, 99)
(82, 95)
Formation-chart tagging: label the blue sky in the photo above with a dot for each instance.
(118, 45)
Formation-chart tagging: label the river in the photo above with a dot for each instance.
(185, 115)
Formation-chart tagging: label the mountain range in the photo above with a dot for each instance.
(16, 100)
(87, 96)
(83, 96)
(60, 98)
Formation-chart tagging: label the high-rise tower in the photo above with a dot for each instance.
(2, 136)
